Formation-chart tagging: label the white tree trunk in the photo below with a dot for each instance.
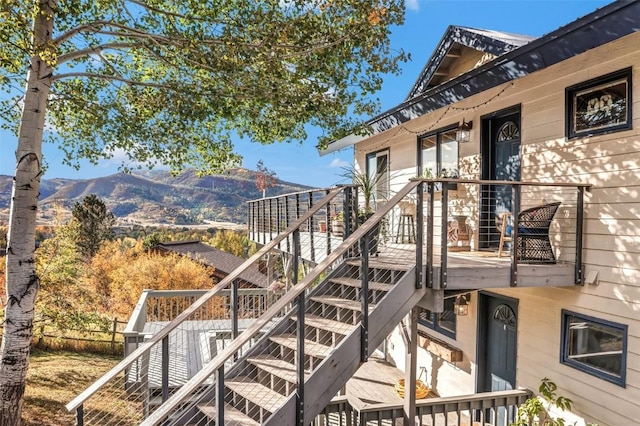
(22, 283)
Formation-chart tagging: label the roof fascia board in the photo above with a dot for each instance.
(568, 41)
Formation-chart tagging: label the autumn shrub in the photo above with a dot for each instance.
(120, 274)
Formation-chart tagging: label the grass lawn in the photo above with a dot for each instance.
(54, 379)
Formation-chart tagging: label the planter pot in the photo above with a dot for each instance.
(322, 226)
(337, 228)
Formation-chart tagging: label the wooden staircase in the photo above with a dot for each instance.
(261, 387)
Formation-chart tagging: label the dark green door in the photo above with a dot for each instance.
(501, 345)
(498, 347)
(506, 159)
(501, 161)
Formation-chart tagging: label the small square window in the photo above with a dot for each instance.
(444, 322)
(601, 105)
(595, 346)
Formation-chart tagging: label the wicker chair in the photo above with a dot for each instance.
(533, 244)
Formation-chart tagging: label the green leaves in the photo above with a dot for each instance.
(535, 411)
(172, 82)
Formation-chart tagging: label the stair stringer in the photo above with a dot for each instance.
(334, 372)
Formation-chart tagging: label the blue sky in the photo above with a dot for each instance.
(425, 23)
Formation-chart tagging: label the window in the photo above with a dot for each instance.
(378, 164)
(444, 323)
(600, 105)
(438, 155)
(595, 346)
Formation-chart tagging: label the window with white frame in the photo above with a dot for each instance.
(595, 346)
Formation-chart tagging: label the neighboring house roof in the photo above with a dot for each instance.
(222, 261)
(606, 24)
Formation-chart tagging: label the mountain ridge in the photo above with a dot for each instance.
(154, 197)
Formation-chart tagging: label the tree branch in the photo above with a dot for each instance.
(109, 78)
(94, 50)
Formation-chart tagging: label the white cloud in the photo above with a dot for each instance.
(412, 4)
(338, 163)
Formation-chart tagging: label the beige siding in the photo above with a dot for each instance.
(611, 163)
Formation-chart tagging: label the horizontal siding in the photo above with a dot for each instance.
(611, 164)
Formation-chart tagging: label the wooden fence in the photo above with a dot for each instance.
(45, 336)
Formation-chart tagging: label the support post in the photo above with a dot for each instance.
(235, 306)
(220, 395)
(311, 244)
(514, 235)
(409, 406)
(300, 331)
(579, 273)
(419, 233)
(431, 189)
(444, 235)
(165, 369)
(364, 296)
(80, 415)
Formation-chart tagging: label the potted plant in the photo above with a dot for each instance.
(366, 182)
(536, 410)
(451, 173)
(337, 224)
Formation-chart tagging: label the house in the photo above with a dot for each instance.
(222, 262)
(501, 136)
(559, 108)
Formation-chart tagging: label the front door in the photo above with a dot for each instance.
(501, 161)
(497, 349)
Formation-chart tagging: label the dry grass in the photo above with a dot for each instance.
(54, 379)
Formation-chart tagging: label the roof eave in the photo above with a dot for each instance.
(504, 68)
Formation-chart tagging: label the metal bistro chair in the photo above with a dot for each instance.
(533, 244)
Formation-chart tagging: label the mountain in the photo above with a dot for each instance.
(154, 197)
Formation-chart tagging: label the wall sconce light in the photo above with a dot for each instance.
(464, 131)
(461, 305)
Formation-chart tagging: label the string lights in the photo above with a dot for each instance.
(422, 131)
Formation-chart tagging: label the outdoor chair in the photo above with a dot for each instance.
(533, 244)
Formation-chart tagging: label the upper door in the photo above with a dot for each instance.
(505, 165)
(501, 161)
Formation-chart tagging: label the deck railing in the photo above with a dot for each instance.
(321, 232)
(487, 408)
(162, 306)
(445, 218)
(460, 215)
(176, 351)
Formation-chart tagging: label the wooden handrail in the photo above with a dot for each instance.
(504, 182)
(289, 297)
(156, 338)
(289, 194)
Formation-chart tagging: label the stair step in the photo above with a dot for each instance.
(232, 416)
(326, 324)
(378, 264)
(339, 302)
(258, 394)
(355, 282)
(276, 367)
(311, 348)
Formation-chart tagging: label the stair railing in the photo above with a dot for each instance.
(163, 362)
(208, 384)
